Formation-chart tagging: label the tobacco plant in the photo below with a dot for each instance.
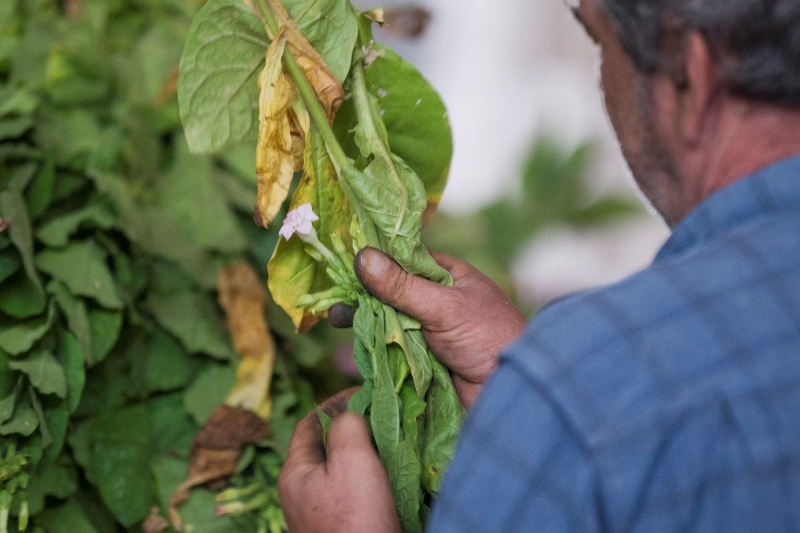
(305, 82)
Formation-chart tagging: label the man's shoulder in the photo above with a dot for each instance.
(675, 335)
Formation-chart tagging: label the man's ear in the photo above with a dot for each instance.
(700, 85)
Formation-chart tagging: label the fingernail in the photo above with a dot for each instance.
(373, 263)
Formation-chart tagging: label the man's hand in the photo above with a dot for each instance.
(465, 326)
(345, 491)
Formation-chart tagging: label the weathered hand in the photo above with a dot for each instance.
(346, 491)
(465, 326)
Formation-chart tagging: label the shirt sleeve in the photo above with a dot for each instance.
(519, 466)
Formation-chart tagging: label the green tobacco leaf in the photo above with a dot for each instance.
(56, 480)
(224, 49)
(19, 336)
(24, 420)
(364, 330)
(57, 420)
(292, 272)
(415, 118)
(115, 450)
(190, 194)
(166, 364)
(67, 518)
(44, 429)
(40, 192)
(12, 208)
(385, 417)
(331, 27)
(44, 372)
(12, 128)
(173, 429)
(56, 231)
(7, 403)
(418, 361)
(192, 318)
(75, 373)
(77, 316)
(208, 391)
(9, 263)
(82, 267)
(20, 297)
(105, 327)
(443, 422)
(405, 468)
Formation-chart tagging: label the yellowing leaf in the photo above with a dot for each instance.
(241, 295)
(274, 157)
(292, 272)
(325, 85)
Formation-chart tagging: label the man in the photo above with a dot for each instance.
(669, 401)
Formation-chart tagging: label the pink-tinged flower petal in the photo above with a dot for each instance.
(298, 221)
(219, 510)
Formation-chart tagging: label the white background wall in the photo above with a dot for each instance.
(508, 70)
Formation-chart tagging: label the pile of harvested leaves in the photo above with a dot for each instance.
(129, 298)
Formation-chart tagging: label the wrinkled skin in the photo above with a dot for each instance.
(465, 326)
(313, 482)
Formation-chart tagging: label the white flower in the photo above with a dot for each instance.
(298, 221)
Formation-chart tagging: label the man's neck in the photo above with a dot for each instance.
(746, 137)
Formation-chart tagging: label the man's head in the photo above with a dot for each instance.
(756, 43)
(698, 90)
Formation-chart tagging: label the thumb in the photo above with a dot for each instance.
(387, 281)
(348, 434)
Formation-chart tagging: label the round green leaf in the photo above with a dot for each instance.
(217, 86)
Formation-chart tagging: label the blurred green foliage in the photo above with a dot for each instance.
(112, 348)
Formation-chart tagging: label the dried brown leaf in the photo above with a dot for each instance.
(242, 296)
(325, 85)
(215, 451)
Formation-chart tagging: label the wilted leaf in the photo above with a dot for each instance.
(292, 272)
(332, 29)
(274, 156)
(44, 372)
(241, 295)
(216, 449)
(82, 267)
(326, 86)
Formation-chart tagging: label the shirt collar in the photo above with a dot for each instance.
(771, 189)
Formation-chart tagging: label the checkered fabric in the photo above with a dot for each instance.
(667, 402)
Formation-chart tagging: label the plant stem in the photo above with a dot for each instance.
(307, 93)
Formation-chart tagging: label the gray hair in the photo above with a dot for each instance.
(757, 42)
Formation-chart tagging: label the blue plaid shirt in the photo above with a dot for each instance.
(667, 402)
